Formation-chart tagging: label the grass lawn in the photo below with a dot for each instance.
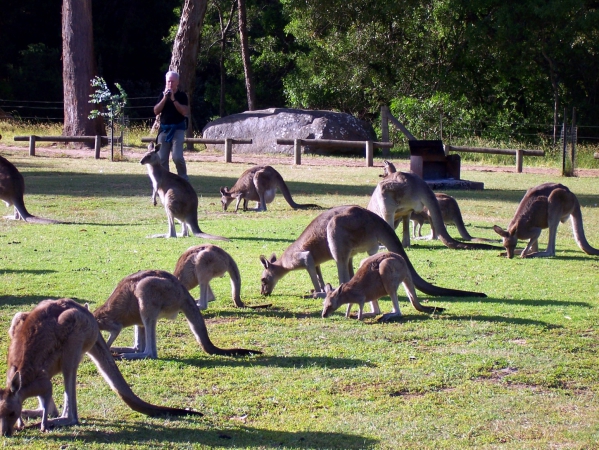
(515, 370)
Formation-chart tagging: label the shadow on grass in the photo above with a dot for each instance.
(35, 272)
(152, 434)
(291, 362)
(531, 302)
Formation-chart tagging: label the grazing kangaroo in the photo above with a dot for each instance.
(52, 339)
(12, 189)
(141, 299)
(200, 264)
(259, 184)
(544, 206)
(339, 234)
(400, 194)
(177, 195)
(451, 214)
(378, 275)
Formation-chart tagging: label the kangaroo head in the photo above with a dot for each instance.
(509, 240)
(331, 301)
(388, 169)
(10, 406)
(225, 197)
(270, 275)
(151, 156)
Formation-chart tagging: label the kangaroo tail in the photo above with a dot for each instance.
(101, 356)
(390, 240)
(578, 231)
(198, 327)
(235, 283)
(287, 195)
(22, 213)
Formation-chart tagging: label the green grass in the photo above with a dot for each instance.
(515, 370)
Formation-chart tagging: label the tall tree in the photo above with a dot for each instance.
(185, 48)
(245, 55)
(224, 32)
(77, 67)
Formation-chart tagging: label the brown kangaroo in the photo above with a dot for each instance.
(544, 206)
(12, 189)
(400, 194)
(378, 275)
(200, 264)
(144, 297)
(339, 234)
(259, 184)
(177, 195)
(451, 214)
(52, 339)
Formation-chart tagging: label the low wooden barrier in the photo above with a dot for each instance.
(498, 151)
(227, 142)
(368, 145)
(99, 140)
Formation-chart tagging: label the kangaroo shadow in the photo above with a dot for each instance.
(28, 300)
(180, 433)
(290, 362)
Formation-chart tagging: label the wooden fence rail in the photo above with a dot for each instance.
(98, 140)
(227, 142)
(519, 153)
(368, 145)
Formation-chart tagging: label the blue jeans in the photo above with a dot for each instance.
(176, 146)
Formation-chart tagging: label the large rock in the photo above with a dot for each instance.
(264, 127)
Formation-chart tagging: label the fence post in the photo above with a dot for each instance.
(297, 151)
(98, 145)
(32, 145)
(369, 153)
(228, 149)
(519, 158)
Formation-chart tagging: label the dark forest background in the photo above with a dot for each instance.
(501, 69)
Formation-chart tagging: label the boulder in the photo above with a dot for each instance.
(264, 127)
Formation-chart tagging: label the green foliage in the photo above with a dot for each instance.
(111, 105)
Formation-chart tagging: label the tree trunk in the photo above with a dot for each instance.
(78, 68)
(185, 48)
(224, 31)
(245, 55)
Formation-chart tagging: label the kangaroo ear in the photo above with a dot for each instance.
(224, 191)
(264, 261)
(157, 148)
(15, 383)
(150, 146)
(273, 258)
(500, 231)
(328, 288)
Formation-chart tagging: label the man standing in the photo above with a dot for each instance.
(173, 109)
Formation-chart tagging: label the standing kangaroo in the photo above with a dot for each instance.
(544, 206)
(259, 184)
(200, 264)
(451, 214)
(177, 195)
(378, 275)
(12, 189)
(401, 193)
(52, 339)
(144, 297)
(339, 234)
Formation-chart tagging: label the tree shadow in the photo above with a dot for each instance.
(240, 437)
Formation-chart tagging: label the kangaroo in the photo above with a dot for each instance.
(378, 275)
(12, 189)
(141, 299)
(52, 339)
(200, 264)
(451, 214)
(544, 206)
(177, 195)
(400, 193)
(339, 234)
(259, 184)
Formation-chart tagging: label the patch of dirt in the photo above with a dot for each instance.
(307, 160)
